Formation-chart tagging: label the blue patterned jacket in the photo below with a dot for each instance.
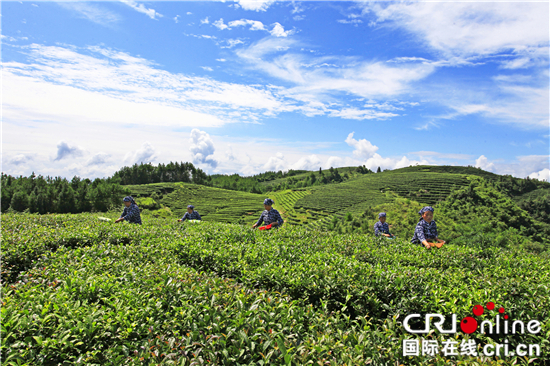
(191, 216)
(270, 216)
(381, 228)
(424, 231)
(131, 214)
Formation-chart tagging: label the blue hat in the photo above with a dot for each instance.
(427, 208)
(269, 202)
(381, 214)
(129, 199)
(191, 207)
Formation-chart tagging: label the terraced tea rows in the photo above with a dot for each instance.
(92, 292)
(214, 204)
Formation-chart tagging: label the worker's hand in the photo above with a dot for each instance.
(119, 219)
(179, 220)
(426, 244)
(254, 226)
(274, 224)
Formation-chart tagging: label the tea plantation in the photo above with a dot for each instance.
(80, 291)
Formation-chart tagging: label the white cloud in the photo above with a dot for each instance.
(98, 159)
(353, 76)
(255, 5)
(426, 126)
(468, 28)
(254, 24)
(219, 24)
(66, 151)
(206, 21)
(350, 21)
(206, 68)
(221, 59)
(360, 114)
(92, 12)
(484, 163)
(99, 84)
(544, 174)
(146, 154)
(363, 148)
(333, 162)
(366, 152)
(188, 13)
(19, 159)
(202, 147)
(151, 13)
(276, 163)
(310, 162)
(176, 18)
(279, 31)
(522, 167)
(232, 42)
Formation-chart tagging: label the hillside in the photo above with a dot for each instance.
(213, 204)
(321, 206)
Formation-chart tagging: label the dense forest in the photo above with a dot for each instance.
(171, 172)
(38, 194)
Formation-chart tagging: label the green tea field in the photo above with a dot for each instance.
(80, 291)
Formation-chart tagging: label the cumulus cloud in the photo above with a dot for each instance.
(254, 24)
(483, 163)
(207, 68)
(276, 163)
(366, 151)
(333, 162)
(202, 147)
(544, 174)
(206, 21)
(279, 31)
(310, 162)
(255, 5)
(146, 154)
(363, 148)
(65, 151)
(219, 24)
(18, 159)
(98, 159)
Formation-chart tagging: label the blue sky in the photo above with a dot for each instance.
(249, 86)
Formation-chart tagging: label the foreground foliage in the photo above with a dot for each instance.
(78, 290)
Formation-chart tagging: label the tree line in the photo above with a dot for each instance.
(171, 172)
(38, 194)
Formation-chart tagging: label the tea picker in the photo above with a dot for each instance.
(131, 211)
(270, 216)
(191, 215)
(381, 227)
(425, 232)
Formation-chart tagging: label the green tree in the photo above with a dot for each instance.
(19, 201)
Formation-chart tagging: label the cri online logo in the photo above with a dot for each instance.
(469, 324)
